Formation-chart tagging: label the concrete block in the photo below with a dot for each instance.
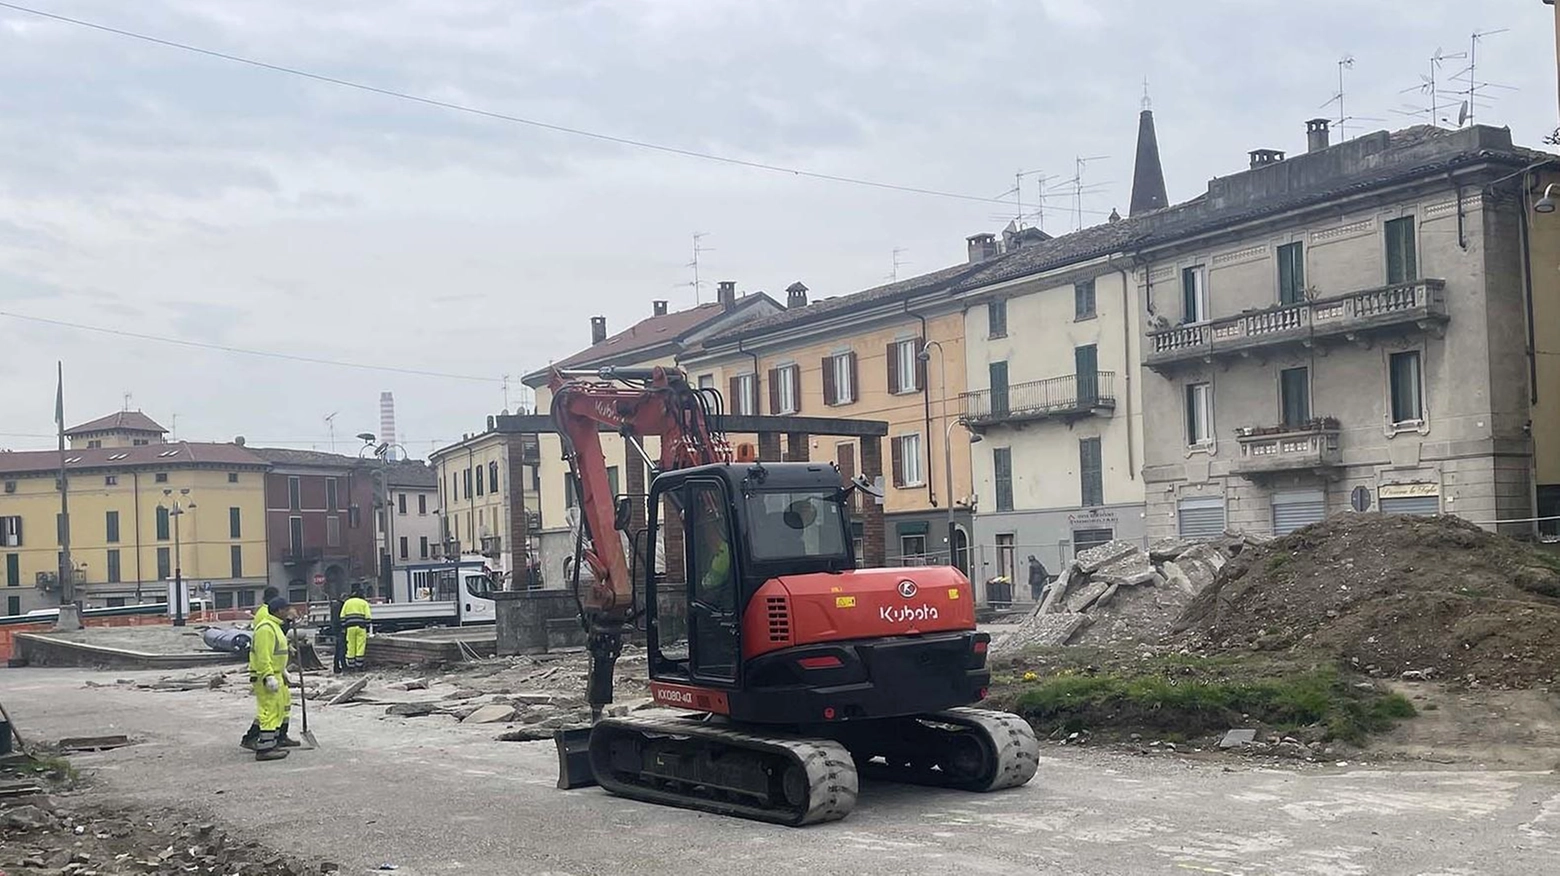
(534, 699)
(411, 710)
(1237, 738)
(1167, 549)
(349, 692)
(1104, 598)
(496, 713)
(1093, 559)
(1086, 596)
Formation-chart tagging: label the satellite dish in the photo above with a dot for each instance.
(1462, 114)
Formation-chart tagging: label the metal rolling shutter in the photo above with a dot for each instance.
(1426, 505)
(1201, 518)
(1297, 508)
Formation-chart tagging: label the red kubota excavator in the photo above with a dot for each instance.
(801, 670)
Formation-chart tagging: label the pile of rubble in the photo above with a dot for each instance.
(1119, 594)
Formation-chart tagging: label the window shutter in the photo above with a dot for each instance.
(892, 358)
(830, 389)
(920, 366)
(735, 395)
(897, 459)
(796, 388)
(855, 384)
(774, 390)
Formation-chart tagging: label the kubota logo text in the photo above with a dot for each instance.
(905, 613)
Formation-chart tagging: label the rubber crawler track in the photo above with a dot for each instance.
(830, 772)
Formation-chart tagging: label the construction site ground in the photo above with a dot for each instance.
(431, 795)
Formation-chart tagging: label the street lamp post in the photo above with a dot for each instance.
(382, 451)
(925, 355)
(176, 512)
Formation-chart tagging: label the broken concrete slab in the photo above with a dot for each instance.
(1094, 559)
(533, 699)
(1237, 738)
(1167, 549)
(1175, 578)
(1086, 596)
(411, 710)
(493, 713)
(348, 693)
(413, 684)
(463, 695)
(1058, 589)
(1104, 598)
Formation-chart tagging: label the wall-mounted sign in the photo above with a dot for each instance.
(1409, 491)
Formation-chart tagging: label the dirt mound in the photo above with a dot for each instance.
(1431, 595)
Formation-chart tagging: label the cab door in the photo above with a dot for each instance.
(714, 596)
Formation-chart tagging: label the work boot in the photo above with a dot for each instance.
(250, 735)
(247, 744)
(271, 754)
(285, 741)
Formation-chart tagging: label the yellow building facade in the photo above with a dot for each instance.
(127, 538)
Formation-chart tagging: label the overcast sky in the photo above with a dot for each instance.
(155, 191)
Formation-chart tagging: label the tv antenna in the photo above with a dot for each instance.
(330, 426)
(893, 275)
(698, 249)
(1078, 187)
(1345, 63)
(1465, 114)
(127, 400)
(1430, 85)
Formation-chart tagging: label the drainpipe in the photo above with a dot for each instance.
(1126, 371)
(926, 401)
(1527, 290)
(1462, 240)
(135, 478)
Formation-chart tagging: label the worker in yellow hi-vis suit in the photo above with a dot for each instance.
(268, 677)
(261, 613)
(355, 617)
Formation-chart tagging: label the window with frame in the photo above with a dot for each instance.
(784, 390)
(1291, 273)
(905, 369)
(1199, 415)
(912, 546)
(13, 570)
(1402, 262)
(13, 605)
(744, 395)
(224, 599)
(1006, 548)
(1083, 299)
(111, 526)
(236, 560)
(164, 564)
(400, 503)
(481, 482)
(11, 531)
(161, 477)
(162, 523)
(333, 531)
(1091, 472)
(235, 523)
(706, 381)
(1194, 294)
(232, 477)
(113, 566)
(95, 444)
(493, 477)
(1407, 388)
(907, 461)
(422, 546)
(1294, 396)
(111, 480)
(405, 547)
(422, 504)
(839, 379)
(246, 599)
(996, 318)
(468, 482)
(1002, 474)
(295, 535)
(295, 493)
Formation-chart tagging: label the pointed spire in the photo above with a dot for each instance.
(1148, 177)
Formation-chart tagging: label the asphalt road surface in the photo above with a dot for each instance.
(432, 797)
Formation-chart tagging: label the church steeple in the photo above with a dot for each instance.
(1148, 177)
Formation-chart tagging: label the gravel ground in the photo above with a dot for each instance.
(432, 797)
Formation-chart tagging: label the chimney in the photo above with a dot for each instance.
(659, 307)
(1264, 157)
(982, 246)
(387, 424)
(795, 296)
(1316, 136)
(598, 330)
(726, 294)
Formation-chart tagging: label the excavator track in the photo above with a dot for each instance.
(700, 765)
(968, 749)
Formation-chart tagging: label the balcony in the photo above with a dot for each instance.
(1419, 305)
(302, 556)
(1069, 397)
(1311, 446)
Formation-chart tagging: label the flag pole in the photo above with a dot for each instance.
(67, 570)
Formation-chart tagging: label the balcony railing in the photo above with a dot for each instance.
(1066, 397)
(301, 556)
(1310, 446)
(1420, 304)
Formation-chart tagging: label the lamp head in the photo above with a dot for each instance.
(1546, 204)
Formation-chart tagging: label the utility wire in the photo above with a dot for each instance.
(519, 120)
(270, 354)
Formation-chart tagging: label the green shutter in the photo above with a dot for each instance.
(1291, 273)
(1402, 265)
(1002, 465)
(999, 388)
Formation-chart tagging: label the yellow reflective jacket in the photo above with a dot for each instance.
(261, 614)
(268, 649)
(355, 612)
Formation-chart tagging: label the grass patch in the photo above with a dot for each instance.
(1193, 696)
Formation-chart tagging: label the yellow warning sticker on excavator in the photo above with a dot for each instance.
(953, 593)
(844, 602)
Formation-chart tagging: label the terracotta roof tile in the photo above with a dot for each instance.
(130, 421)
(147, 455)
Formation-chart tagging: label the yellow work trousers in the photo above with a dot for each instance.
(271, 709)
(357, 642)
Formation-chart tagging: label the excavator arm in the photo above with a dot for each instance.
(637, 403)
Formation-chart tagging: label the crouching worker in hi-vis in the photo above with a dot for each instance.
(355, 615)
(268, 677)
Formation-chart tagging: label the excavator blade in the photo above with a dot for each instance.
(574, 770)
